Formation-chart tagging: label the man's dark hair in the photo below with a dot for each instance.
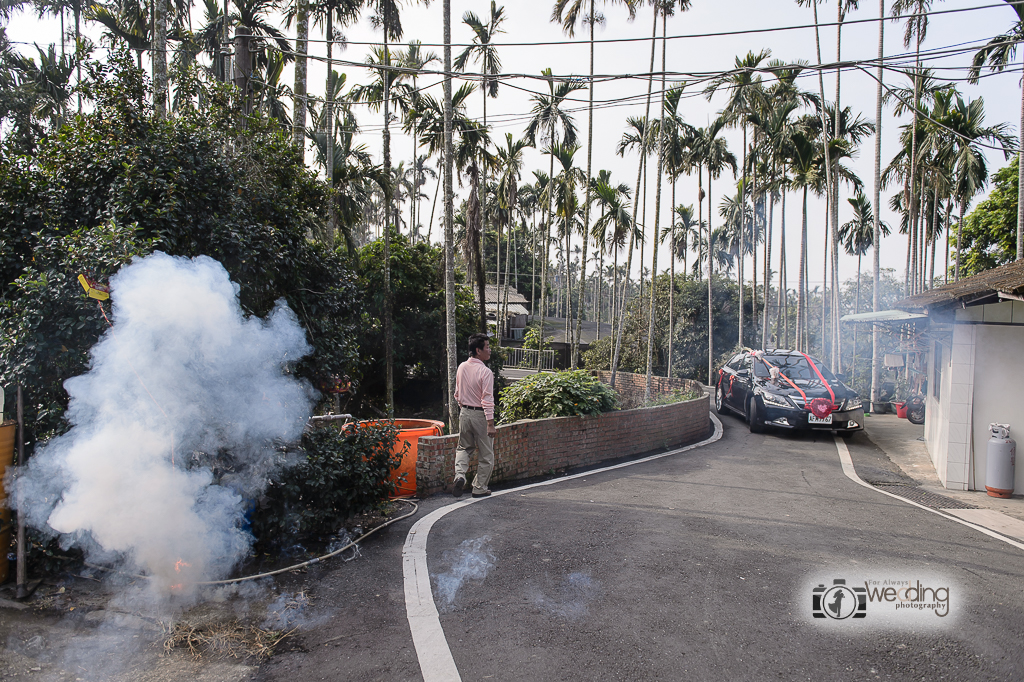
(476, 342)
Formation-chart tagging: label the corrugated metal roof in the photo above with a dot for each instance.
(882, 316)
(513, 308)
(493, 294)
(1007, 278)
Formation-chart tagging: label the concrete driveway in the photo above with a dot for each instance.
(696, 566)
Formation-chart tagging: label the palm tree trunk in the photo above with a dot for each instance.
(301, 74)
(1020, 176)
(159, 58)
(440, 178)
(636, 199)
(830, 181)
(329, 130)
(657, 217)
(672, 278)
(825, 288)
(389, 349)
(959, 232)
(547, 239)
(449, 231)
(743, 229)
(767, 271)
(78, 57)
(586, 205)
(837, 353)
(782, 314)
(801, 303)
(711, 308)
(876, 364)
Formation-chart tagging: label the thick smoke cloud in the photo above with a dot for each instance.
(182, 379)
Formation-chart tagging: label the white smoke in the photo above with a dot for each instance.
(182, 372)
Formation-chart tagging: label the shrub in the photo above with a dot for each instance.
(558, 394)
(343, 473)
(679, 395)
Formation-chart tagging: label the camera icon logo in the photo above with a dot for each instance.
(839, 601)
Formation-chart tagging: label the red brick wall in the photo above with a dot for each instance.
(535, 447)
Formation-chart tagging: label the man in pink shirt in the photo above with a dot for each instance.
(474, 392)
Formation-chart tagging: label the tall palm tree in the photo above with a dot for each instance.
(857, 236)
(999, 53)
(611, 229)
(570, 13)
(387, 17)
(483, 52)
(640, 172)
(966, 122)
(449, 232)
(746, 92)
(547, 118)
(876, 201)
(510, 166)
(712, 153)
(682, 232)
(806, 175)
(915, 31)
(325, 13)
(416, 59)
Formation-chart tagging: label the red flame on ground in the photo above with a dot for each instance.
(176, 587)
(179, 563)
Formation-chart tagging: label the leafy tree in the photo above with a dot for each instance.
(990, 231)
(118, 183)
(417, 285)
(689, 343)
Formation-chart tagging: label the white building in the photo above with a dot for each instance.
(975, 370)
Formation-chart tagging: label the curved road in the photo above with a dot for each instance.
(694, 566)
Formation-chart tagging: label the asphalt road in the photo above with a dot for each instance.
(692, 567)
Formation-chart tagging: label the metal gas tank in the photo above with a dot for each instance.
(1002, 453)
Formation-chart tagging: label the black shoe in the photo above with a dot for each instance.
(458, 486)
(486, 493)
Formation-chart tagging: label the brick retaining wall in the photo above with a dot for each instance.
(535, 447)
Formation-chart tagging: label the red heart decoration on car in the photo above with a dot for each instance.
(821, 407)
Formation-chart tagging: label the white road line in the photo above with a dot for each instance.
(432, 650)
(851, 473)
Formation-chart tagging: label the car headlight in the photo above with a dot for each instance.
(853, 404)
(775, 400)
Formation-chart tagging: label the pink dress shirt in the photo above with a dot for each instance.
(474, 386)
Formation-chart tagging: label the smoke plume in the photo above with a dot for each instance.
(173, 427)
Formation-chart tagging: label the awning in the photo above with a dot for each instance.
(883, 316)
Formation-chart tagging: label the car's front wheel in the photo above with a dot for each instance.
(755, 417)
(719, 397)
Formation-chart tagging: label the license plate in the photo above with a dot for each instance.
(811, 419)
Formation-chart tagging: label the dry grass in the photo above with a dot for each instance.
(230, 639)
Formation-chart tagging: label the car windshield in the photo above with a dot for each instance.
(795, 367)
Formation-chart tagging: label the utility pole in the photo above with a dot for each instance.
(242, 72)
(21, 571)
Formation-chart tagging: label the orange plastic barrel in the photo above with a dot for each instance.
(7, 435)
(411, 431)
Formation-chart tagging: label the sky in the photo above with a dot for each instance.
(693, 52)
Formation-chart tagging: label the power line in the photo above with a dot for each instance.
(717, 34)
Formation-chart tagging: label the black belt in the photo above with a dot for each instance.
(471, 407)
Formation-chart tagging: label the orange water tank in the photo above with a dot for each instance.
(411, 431)
(7, 436)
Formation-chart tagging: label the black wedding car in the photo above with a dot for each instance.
(786, 389)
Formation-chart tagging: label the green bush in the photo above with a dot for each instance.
(558, 394)
(343, 473)
(679, 395)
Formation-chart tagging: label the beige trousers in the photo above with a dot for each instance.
(473, 438)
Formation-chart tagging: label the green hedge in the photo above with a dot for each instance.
(343, 473)
(558, 394)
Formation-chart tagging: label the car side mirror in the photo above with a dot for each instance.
(742, 372)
